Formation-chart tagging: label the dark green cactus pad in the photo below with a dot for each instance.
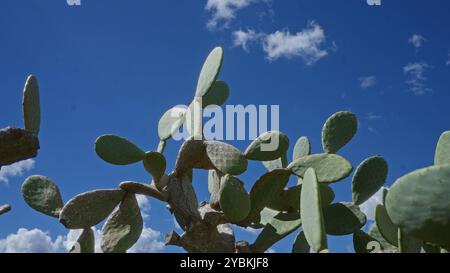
(311, 213)
(442, 155)
(369, 177)
(41, 194)
(155, 164)
(269, 146)
(302, 148)
(85, 243)
(226, 158)
(362, 242)
(428, 248)
(289, 199)
(233, 199)
(278, 228)
(124, 227)
(90, 208)
(300, 244)
(338, 131)
(171, 122)
(329, 168)
(343, 219)
(210, 72)
(408, 244)
(387, 228)
(117, 150)
(419, 204)
(17, 145)
(217, 96)
(31, 105)
(268, 187)
(214, 188)
(375, 233)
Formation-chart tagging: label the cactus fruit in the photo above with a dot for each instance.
(43, 195)
(311, 212)
(414, 215)
(369, 177)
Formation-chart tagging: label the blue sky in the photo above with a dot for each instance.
(117, 66)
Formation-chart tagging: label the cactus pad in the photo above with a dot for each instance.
(85, 243)
(343, 219)
(226, 158)
(363, 241)
(369, 177)
(117, 150)
(90, 208)
(124, 227)
(442, 155)
(269, 146)
(155, 164)
(329, 168)
(338, 131)
(31, 105)
(302, 148)
(171, 122)
(311, 213)
(217, 96)
(209, 72)
(41, 194)
(300, 244)
(387, 228)
(418, 203)
(233, 199)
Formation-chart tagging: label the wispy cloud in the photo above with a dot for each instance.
(448, 60)
(368, 208)
(144, 205)
(306, 44)
(367, 81)
(371, 116)
(417, 40)
(16, 169)
(243, 38)
(224, 11)
(417, 79)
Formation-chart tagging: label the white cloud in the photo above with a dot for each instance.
(416, 40)
(305, 44)
(368, 208)
(367, 82)
(371, 116)
(243, 38)
(16, 169)
(144, 205)
(448, 61)
(223, 11)
(31, 241)
(417, 79)
(149, 242)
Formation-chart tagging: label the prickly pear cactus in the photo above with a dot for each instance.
(404, 222)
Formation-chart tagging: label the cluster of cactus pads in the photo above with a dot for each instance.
(415, 213)
(18, 144)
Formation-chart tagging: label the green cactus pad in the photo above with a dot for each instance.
(85, 243)
(117, 150)
(155, 164)
(419, 204)
(289, 199)
(407, 243)
(123, 228)
(210, 72)
(233, 199)
(442, 155)
(280, 226)
(89, 209)
(269, 146)
(363, 242)
(41, 194)
(329, 168)
(302, 148)
(226, 158)
(268, 187)
(213, 181)
(300, 244)
(338, 131)
(266, 216)
(369, 177)
(217, 96)
(375, 233)
(31, 105)
(387, 228)
(311, 213)
(343, 219)
(171, 122)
